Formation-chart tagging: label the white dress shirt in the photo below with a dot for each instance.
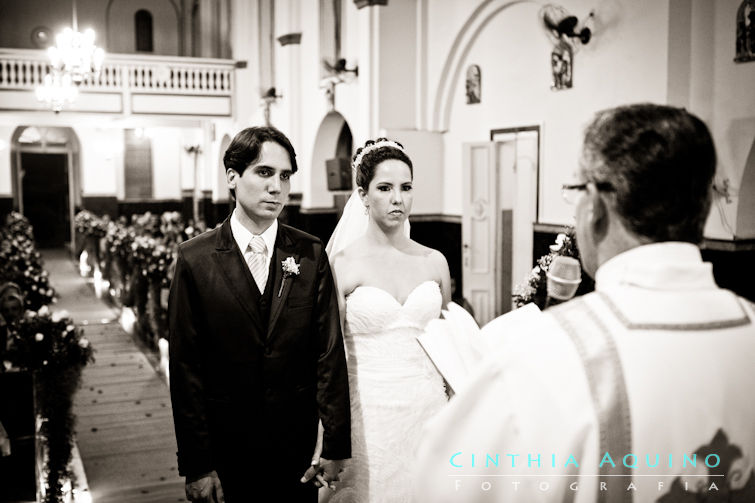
(243, 237)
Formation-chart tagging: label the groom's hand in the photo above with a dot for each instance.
(325, 472)
(204, 489)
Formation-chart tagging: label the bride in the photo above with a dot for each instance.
(389, 288)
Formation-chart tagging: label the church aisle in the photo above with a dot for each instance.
(124, 425)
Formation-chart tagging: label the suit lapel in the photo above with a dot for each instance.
(237, 276)
(284, 248)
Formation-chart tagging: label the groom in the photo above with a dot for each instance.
(256, 353)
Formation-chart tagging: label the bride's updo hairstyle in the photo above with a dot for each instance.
(367, 158)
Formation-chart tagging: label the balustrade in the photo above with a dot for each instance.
(24, 69)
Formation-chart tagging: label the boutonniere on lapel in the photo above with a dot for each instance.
(290, 268)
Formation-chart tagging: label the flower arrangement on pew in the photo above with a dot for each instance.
(21, 263)
(138, 263)
(118, 261)
(54, 349)
(90, 225)
(42, 342)
(172, 226)
(146, 224)
(90, 229)
(535, 287)
(194, 229)
(18, 225)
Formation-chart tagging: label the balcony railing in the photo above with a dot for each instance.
(210, 80)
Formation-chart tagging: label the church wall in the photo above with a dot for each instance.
(733, 125)
(20, 18)
(101, 161)
(348, 95)
(684, 56)
(6, 189)
(121, 35)
(168, 156)
(513, 52)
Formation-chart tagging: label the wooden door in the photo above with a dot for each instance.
(517, 174)
(480, 203)
(44, 185)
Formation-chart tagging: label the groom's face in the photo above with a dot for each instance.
(262, 190)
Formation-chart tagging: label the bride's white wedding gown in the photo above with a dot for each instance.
(394, 389)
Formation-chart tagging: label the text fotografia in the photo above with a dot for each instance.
(546, 486)
(534, 461)
(505, 473)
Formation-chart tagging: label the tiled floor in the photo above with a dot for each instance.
(124, 428)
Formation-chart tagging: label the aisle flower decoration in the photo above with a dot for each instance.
(158, 263)
(172, 226)
(146, 224)
(47, 344)
(18, 225)
(52, 347)
(194, 229)
(90, 225)
(119, 238)
(21, 263)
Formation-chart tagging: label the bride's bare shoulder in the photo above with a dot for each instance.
(422, 250)
(347, 266)
(431, 255)
(350, 254)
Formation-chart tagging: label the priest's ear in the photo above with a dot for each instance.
(597, 210)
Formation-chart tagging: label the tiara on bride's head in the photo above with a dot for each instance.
(369, 148)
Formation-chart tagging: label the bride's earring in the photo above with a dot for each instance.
(366, 210)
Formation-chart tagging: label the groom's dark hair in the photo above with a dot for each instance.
(246, 146)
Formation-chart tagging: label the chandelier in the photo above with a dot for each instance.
(75, 54)
(57, 91)
(73, 58)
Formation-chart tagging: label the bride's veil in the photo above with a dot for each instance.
(351, 226)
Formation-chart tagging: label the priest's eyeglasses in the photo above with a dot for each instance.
(570, 192)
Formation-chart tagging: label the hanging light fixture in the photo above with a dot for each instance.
(57, 91)
(73, 58)
(75, 54)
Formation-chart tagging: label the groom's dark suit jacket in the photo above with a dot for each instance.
(251, 372)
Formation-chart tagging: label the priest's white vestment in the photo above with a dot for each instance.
(635, 392)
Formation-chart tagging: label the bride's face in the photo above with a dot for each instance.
(389, 194)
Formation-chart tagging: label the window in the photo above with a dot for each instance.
(143, 22)
(137, 164)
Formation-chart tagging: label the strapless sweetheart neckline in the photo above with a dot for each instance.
(391, 296)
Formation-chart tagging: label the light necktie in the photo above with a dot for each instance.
(257, 261)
